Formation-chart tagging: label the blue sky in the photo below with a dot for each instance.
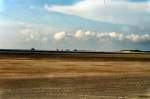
(75, 24)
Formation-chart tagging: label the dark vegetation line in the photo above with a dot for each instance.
(69, 51)
(125, 55)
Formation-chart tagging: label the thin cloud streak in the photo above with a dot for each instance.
(119, 12)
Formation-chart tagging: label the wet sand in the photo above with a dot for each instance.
(50, 78)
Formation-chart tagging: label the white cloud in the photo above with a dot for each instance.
(86, 35)
(110, 36)
(115, 35)
(133, 37)
(138, 38)
(30, 34)
(121, 12)
(44, 39)
(89, 33)
(78, 7)
(79, 34)
(59, 35)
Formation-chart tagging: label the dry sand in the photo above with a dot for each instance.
(68, 78)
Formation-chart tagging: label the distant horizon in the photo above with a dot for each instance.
(74, 50)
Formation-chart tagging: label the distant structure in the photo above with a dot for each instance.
(32, 49)
(75, 50)
(57, 50)
(67, 50)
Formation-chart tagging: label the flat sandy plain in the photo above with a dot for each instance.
(75, 76)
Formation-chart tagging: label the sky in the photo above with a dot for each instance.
(101, 25)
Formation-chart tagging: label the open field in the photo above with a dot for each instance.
(75, 76)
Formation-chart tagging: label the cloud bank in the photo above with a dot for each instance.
(110, 36)
(34, 34)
